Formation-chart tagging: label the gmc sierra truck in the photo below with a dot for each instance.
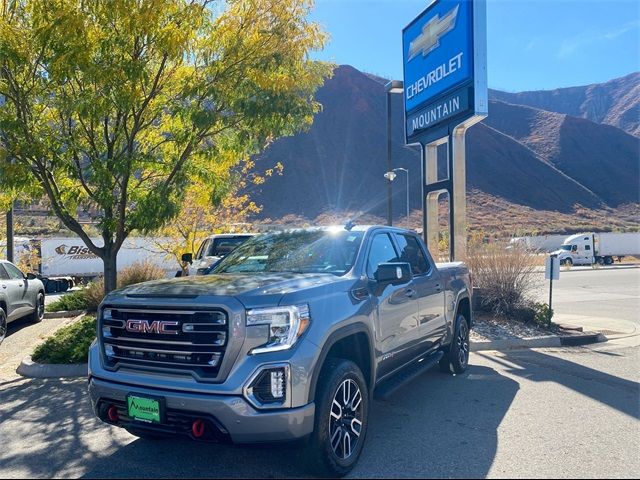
(286, 339)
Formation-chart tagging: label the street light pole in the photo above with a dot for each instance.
(406, 171)
(394, 86)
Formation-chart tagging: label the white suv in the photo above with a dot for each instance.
(20, 296)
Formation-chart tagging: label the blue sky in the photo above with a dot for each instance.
(532, 44)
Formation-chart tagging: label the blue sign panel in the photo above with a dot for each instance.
(438, 111)
(439, 62)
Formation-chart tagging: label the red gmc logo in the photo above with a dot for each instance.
(143, 326)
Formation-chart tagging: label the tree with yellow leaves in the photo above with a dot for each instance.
(118, 106)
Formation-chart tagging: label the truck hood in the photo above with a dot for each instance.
(240, 285)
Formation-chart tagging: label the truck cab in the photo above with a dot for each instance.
(215, 247)
(577, 250)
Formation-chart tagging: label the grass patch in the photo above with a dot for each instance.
(68, 345)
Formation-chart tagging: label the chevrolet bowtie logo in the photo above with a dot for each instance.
(433, 30)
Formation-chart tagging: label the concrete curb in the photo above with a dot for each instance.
(541, 342)
(28, 368)
(64, 314)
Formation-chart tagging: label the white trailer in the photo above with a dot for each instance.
(540, 243)
(600, 248)
(69, 256)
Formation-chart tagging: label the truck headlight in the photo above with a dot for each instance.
(286, 325)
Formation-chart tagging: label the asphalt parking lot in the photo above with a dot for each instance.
(570, 412)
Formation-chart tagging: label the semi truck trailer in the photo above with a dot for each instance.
(598, 248)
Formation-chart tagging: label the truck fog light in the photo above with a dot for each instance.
(269, 387)
(277, 383)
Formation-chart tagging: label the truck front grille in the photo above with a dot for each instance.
(190, 341)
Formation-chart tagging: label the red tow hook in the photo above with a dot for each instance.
(112, 413)
(198, 428)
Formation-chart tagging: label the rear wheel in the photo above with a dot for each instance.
(3, 325)
(456, 355)
(341, 419)
(608, 260)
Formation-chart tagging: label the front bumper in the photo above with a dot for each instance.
(234, 416)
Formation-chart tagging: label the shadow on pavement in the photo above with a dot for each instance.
(536, 366)
(436, 426)
(17, 325)
(428, 428)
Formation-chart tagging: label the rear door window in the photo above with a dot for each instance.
(3, 273)
(411, 252)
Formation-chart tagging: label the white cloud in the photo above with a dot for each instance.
(571, 45)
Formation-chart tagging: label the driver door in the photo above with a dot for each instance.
(397, 325)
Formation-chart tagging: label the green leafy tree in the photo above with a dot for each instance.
(115, 106)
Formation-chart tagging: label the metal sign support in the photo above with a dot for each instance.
(454, 185)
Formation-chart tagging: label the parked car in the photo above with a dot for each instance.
(286, 339)
(215, 247)
(20, 296)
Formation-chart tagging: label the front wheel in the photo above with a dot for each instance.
(341, 420)
(456, 355)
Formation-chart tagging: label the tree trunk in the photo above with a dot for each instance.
(110, 271)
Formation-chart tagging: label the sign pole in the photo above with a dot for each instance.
(553, 257)
(10, 233)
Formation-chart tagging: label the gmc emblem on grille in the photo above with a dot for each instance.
(143, 326)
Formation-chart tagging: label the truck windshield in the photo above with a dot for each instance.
(223, 246)
(295, 251)
(566, 247)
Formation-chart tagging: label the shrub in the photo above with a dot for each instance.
(68, 345)
(90, 297)
(543, 314)
(94, 293)
(71, 301)
(507, 276)
(139, 272)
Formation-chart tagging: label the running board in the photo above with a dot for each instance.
(406, 375)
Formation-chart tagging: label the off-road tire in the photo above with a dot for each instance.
(456, 355)
(320, 456)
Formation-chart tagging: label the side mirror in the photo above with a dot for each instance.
(31, 276)
(187, 257)
(395, 273)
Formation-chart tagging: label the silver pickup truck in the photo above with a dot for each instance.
(286, 339)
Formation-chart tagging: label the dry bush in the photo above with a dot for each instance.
(94, 293)
(139, 272)
(507, 276)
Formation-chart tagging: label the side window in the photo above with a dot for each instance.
(3, 273)
(587, 247)
(411, 253)
(382, 251)
(14, 273)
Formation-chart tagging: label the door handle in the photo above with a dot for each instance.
(409, 292)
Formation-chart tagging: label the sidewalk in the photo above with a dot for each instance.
(614, 329)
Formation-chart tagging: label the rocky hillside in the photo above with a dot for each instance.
(616, 102)
(521, 156)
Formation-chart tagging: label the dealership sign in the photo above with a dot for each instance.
(444, 53)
